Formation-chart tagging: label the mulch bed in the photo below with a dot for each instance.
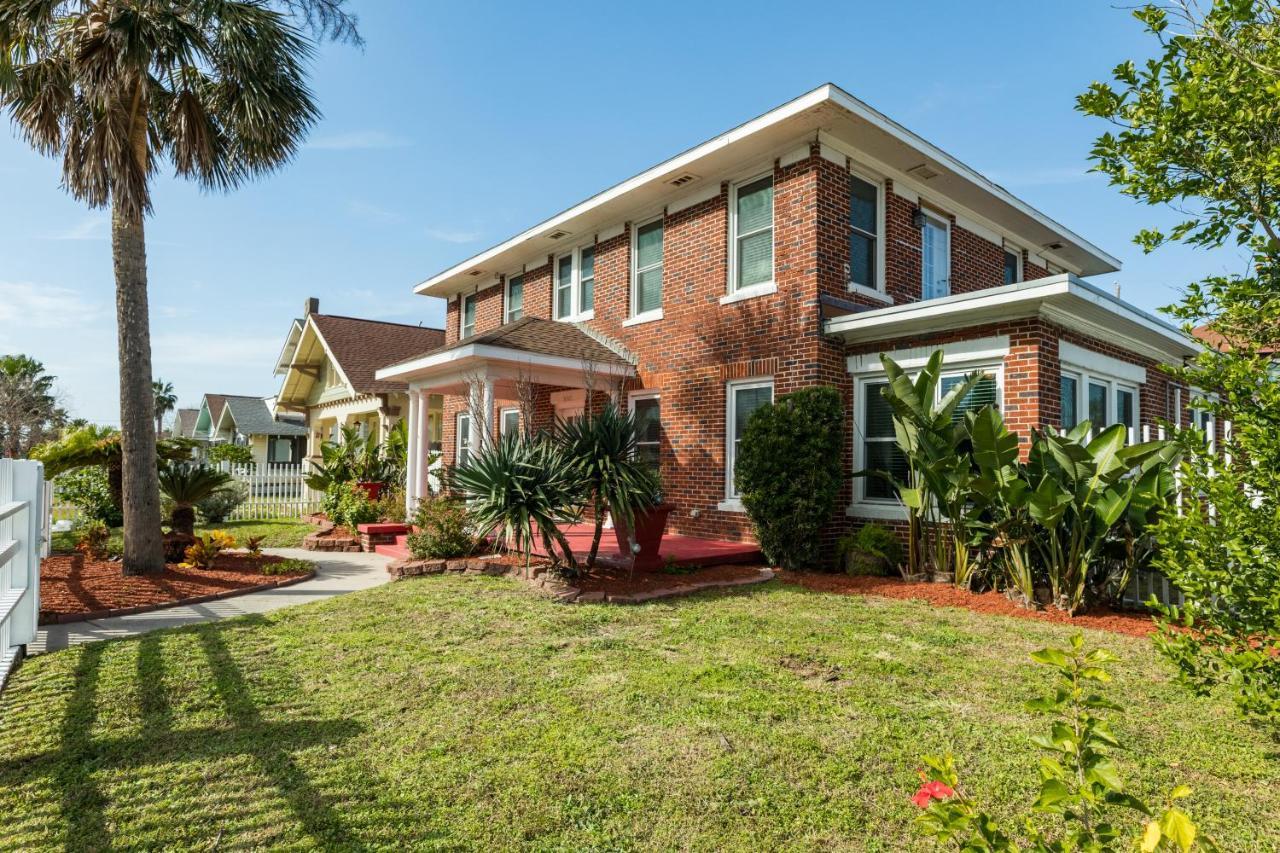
(621, 582)
(947, 595)
(71, 592)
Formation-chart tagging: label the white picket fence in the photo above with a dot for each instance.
(23, 537)
(276, 490)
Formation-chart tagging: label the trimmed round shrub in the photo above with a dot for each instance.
(789, 472)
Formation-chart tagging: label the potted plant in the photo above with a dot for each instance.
(643, 538)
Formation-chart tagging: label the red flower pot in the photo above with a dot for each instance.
(373, 490)
(650, 524)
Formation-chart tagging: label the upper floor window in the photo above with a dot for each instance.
(468, 325)
(646, 269)
(1012, 265)
(935, 244)
(751, 258)
(864, 222)
(575, 276)
(515, 299)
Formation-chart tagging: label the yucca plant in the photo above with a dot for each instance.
(523, 489)
(186, 486)
(602, 446)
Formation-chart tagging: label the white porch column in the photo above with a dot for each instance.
(486, 406)
(414, 454)
(422, 432)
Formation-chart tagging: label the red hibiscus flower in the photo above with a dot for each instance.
(931, 791)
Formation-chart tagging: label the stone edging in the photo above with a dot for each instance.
(556, 587)
(69, 618)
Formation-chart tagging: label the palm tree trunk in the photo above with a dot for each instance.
(143, 550)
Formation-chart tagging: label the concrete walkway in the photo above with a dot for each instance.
(335, 575)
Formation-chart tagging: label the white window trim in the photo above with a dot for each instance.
(753, 292)
(1200, 408)
(945, 221)
(462, 315)
(656, 313)
(506, 297)
(458, 433)
(502, 419)
(1084, 378)
(758, 288)
(963, 364)
(575, 287)
(879, 291)
(633, 396)
(733, 502)
(590, 313)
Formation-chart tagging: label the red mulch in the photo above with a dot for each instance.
(622, 582)
(948, 595)
(100, 585)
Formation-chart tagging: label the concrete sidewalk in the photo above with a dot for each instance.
(335, 574)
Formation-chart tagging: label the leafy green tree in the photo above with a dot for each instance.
(788, 473)
(116, 87)
(29, 410)
(236, 454)
(1197, 129)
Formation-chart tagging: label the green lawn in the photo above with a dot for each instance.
(277, 533)
(464, 712)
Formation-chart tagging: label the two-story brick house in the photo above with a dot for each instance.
(788, 252)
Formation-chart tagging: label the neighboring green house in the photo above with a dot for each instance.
(247, 421)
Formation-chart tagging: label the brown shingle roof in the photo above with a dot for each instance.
(362, 346)
(1215, 340)
(536, 335)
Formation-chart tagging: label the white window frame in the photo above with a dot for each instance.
(877, 292)
(576, 314)
(761, 288)
(578, 290)
(656, 313)
(1021, 273)
(1200, 412)
(945, 221)
(732, 501)
(1091, 376)
(502, 420)
(506, 298)
(462, 315)
(459, 447)
(647, 395)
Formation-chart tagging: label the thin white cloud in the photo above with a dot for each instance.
(372, 212)
(358, 140)
(453, 235)
(41, 306)
(96, 227)
(169, 350)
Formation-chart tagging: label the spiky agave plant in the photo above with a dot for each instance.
(523, 489)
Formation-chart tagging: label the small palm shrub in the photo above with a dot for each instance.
(443, 529)
(788, 473)
(522, 489)
(219, 505)
(186, 486)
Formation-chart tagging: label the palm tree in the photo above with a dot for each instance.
(166, 401)
(186, 486)
(114, 87)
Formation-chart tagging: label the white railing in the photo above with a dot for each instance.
(276, 490)
(22, 543)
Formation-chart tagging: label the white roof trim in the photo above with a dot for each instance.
(1062, 299)
(826, 93)
(418, 368)
(977, 350)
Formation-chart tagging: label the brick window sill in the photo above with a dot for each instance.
(749, 292)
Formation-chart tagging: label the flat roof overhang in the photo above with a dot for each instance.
(1064, 300)
(826, 111)
(453, 370)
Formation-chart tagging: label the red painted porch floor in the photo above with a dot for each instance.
(685, 550)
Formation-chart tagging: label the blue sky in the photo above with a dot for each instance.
(461, 124)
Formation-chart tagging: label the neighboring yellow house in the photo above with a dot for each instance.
(248, 421)
(328, 364)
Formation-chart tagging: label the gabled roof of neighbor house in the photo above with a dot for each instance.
(1216, 340)
(252, 416)
(845, 127)
(184, 422)
(355, 347)
(534, 338)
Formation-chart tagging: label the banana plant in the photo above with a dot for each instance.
(1081, 489)
(1001, 497)
(936, 492)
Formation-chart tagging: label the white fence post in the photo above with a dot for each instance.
(276, 490)
(22, 526)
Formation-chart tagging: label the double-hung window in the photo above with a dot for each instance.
(744, 398)
(515, 299)
(646, 269)
(509, 423)
(751, 261)
(468, 326)
(985, 393)
(1012, 265)
(1103, 400)
(463, 440)
(935, 263)
(575, 284)
(647, 411)
(864, 229)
